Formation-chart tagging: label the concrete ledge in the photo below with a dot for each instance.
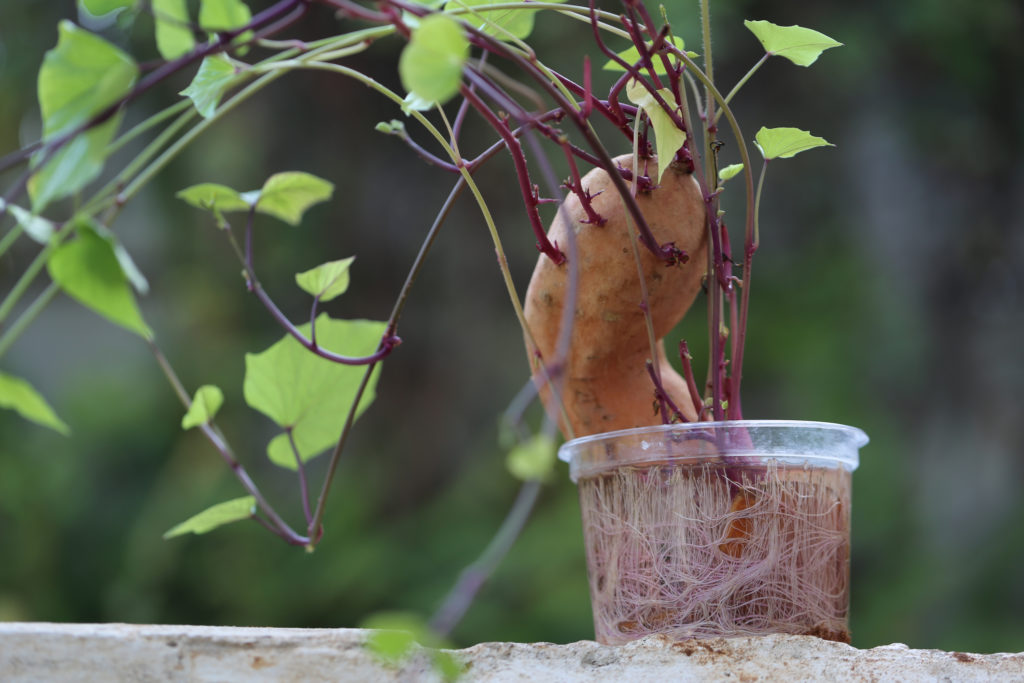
(92, 652)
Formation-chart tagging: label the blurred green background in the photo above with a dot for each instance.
(888, 295)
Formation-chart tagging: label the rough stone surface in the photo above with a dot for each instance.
(88, 652)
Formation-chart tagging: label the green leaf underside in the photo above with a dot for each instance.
(431, 64)
(503, 24)
(210, 196)
(308, 394)
(287, 195)
(730, 171)
(413, 103)
(216, 74)
(800, 45)
(533, 460)
(668, 138)
(207, 401)
(783, 143)
(36, 227)
(632, 56)
(214, 516)
(78, 80)
(87, 269)
(173, 35)
(18, 395)
(98, 8)
(223, 15)
(328, 280)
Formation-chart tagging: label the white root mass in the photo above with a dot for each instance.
(706, 550)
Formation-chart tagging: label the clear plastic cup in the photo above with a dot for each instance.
(717, 528)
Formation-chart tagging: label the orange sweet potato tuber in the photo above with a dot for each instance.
(606, 385)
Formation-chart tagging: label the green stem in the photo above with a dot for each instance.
(151, 122)
(709, 69)
(100, 201)
(742, 82)
(27, 316)
(10, 238)
(23, 283)
(757, 208)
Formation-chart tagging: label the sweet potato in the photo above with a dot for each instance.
(606, 385)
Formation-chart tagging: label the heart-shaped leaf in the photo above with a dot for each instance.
(87, 269)
(668, 138)
(207, 401)
(783, 143)
(632, 56)
(79, 79)
(308, 394)
(173, 35)
(431, 64)
(327, 280)
(216, 74)
(800, 45)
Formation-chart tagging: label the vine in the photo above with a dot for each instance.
(460, 52)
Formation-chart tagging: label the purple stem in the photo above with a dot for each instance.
(523, 174)
(664, 402)
(300, 468)
(691, 383)
(315, 527)
(475, 575)
(387, 343)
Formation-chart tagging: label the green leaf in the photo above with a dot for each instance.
(783, 143)
(730, 171)
(210, 196)
(288, 195)
(216, 74)
(173, 35)
(431, 64)
(328, 280)
(18, 395)
(98, 8)
(503, 24)
(632, 56)
(310, 395)
(668, 138)
(217, 515)
(413, 103)
(392, 127)
(87, 269)
(207, 401)
(76, 164)
(80, 78)
(533, 460)
(395, 634)
(800, 45)
(36, 227)
(223, 15)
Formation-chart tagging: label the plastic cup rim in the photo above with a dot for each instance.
(859, 437)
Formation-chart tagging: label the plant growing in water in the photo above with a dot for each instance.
(634, 242)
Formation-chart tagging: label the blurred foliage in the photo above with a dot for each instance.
(887, 295)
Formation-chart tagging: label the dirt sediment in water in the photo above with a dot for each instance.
(708, 550)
